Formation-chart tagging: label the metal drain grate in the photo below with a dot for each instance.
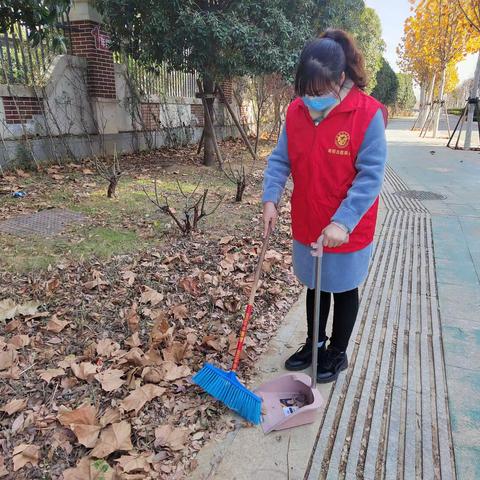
(420, 195)
(46, 222)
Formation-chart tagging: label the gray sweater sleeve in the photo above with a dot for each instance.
(277, 170)
(366, 186)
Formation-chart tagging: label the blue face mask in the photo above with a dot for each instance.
(320, 103)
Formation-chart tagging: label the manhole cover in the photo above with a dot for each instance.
(47, 222)
(420, 195)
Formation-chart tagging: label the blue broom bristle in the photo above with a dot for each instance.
(224, 386)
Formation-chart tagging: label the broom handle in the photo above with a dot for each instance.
(249, 309)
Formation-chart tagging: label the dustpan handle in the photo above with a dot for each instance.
(249, 309)
(316, 315)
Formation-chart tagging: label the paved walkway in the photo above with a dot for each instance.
(428, 165)
(389, 415)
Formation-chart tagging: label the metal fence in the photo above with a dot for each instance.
(25, 64)
(157, 80)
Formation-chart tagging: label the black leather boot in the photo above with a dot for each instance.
(332, 363)
(302, 358)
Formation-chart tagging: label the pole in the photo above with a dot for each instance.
(237, 123)
(474, 93)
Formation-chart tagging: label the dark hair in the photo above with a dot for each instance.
(323, 59)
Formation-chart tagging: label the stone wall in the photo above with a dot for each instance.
(88, 105)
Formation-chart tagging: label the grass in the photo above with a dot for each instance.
(33, 253)
(127, 223)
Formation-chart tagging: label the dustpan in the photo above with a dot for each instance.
(292, 399)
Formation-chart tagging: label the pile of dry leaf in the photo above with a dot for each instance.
(96, 358)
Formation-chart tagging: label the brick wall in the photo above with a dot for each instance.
(21, 109)
(88, 41)
(150, 115)
(197, 111)
(227, 87)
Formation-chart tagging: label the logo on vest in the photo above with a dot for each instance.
(342, 139)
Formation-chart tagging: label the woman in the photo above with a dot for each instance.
(333, 143)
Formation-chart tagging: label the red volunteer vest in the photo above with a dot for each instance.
(322, 160)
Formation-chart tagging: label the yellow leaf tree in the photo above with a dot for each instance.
(437, 35)
(471, 11)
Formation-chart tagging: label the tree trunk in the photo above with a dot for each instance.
(208, 147)
(439, 105)
(241, 184)
(428, 104)
(112, 187)
(422, 104)
(257, 128)
(474, 93)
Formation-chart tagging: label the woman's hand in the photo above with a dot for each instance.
(270, 216)
(333, 236)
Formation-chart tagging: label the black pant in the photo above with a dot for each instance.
(345, 311)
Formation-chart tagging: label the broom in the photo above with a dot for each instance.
(224, 386)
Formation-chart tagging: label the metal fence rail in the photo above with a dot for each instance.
(24, 64)
(21, 62)
(157, 80)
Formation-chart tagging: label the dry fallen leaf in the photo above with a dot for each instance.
(50, 373)
(132, 317)
(18, 424)
(153, 374)
(83, 423)
(11, 326)
(84, 371)
(107, 347)
(180, 312)
(23, 454)
(110, 379)
(176, 352)
(225, 240)
(55, 325)
(171, 371)
(7, 359)
(52, 285)
(135, 463)
(14, 406)
(90, 469)
(173, 438)
(111, 415)
(149, 295)
(133, 340)
(137, 399)
(96, 282)
(129, 277)
(19, 341)
(9, 309)
(190, 285)
(161, 330)
(115, 437)
(217, 343)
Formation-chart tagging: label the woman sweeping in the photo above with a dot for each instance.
(333, 143)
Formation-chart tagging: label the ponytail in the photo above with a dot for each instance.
(354, 60)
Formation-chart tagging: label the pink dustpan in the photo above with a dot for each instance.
(293, 388)
(292, 399)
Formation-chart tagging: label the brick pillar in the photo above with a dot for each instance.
(89, 40)
(227, 87)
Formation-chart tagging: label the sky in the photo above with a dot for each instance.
(392, 14)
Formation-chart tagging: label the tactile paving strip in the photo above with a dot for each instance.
(387, 416)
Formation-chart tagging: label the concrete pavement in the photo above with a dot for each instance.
(426, 164)
(407, 407)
